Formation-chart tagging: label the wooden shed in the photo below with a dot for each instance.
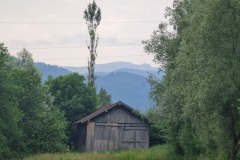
(115, 126)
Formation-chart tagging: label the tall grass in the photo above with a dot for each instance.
(160, 152)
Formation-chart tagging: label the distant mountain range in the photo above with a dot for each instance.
(124, 81)
(104, 69)
(111, 67)
(127, 87)
(50, 70)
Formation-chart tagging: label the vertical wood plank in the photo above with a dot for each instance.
(90, 136)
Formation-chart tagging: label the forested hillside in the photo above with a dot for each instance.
(129, 88)
(112, 67)
(125, 84)
(50, 70)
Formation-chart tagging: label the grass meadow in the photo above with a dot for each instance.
(160, 152)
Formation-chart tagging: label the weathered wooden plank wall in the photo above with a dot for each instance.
(114, 129)
(118, 115)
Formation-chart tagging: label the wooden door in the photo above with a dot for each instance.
(105, 138)
(134, 137)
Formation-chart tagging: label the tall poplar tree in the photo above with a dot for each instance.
(92, 15)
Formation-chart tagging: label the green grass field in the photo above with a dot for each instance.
(160, 152)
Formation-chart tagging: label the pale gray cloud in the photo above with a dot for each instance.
(41, 31)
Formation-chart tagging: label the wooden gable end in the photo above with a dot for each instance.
(119, 114)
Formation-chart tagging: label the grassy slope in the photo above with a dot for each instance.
(161, 152)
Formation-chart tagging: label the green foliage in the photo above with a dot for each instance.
(157, 135)
(74, 98)
(42, 124)
(104, 98)
(28, 121)
(72, 95)
(10, 115)
(157, 130)
(200, 91)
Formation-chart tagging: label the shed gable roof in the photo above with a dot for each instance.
(105, 109)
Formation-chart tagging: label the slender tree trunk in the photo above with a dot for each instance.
(234, 134)
(91, 64)
(234, 144)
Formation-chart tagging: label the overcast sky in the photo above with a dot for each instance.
(55, 32)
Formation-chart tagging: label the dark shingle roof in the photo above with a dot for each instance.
(104, 109)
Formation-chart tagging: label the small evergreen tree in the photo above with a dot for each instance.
(104, 98)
